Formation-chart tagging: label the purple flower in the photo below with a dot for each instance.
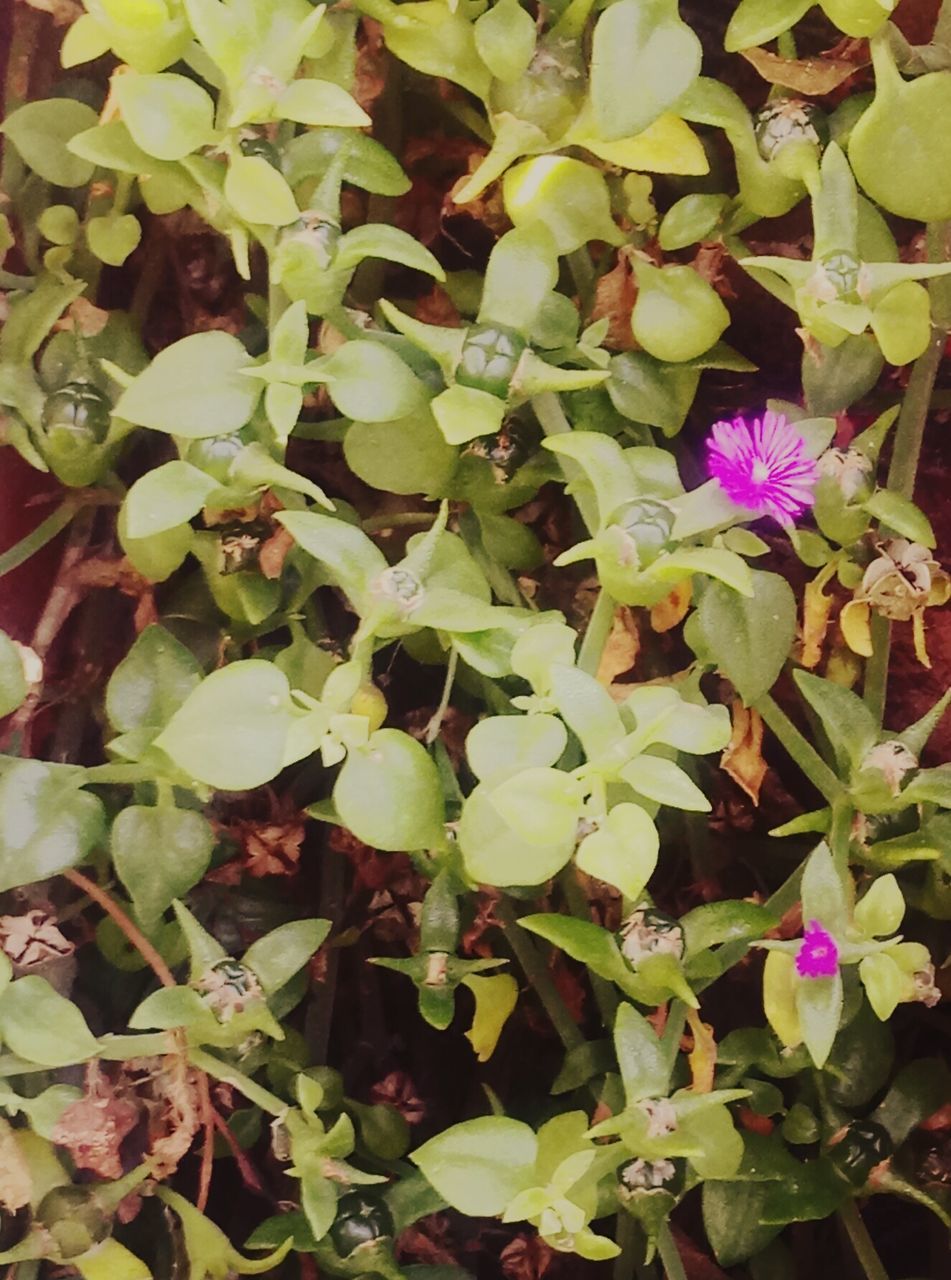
(818, 954)
(763, 467)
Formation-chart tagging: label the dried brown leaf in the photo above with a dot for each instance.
(810, 76)
(93, 1128)
(672, 610)
(614, 298)
(16, 1184)
(622, 647)
(743, 757)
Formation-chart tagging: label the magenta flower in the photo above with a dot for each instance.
(818, 954)
(763, 467)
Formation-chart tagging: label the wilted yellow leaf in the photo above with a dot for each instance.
(703, 1056)
(816, 608)
(495, 998)
(854, 621)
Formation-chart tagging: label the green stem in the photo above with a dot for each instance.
(398, 520)
(840, 835)
(435, 723)
(865, 1250)
(554, 422)
(906, 450)
(808, 759)
(582, 273)
(597, 633)
(669, 1254)
(536, 971)
(604, 993)
(224, 1072)
(45, 532)
(629, 1263)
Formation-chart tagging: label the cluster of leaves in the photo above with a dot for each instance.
(530, 430)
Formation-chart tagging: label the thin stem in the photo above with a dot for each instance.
(669, 1254)
(536, 971)
(629, 1263)
(554, 422)
(840, 835)
(398, 520)
(604, 993)
(227, 1074)
(582, 273)
(131, 931)
(865, 1250)
(808, 759)
(35, 541)
(435, 722)
(906, 451)
(597, 634)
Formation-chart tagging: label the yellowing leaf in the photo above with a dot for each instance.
(667, 613)
(703, 1056)
(816, 609)
(669, 145)
(854, 622)
(743, 757)
(495, 998)
(779, 997)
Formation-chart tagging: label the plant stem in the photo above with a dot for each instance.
(669, 1254)
(398, 520)
(553, 421)
(629, 1262)
(536, 971)
(906, 452)
(44, 532)
(597, 634)
(131, 931)
(808, 760)
(604, 993)
(582, 273)
(223, 1071)
(865, 1250)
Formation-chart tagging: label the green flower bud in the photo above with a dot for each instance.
(78, 407)
(648, 932)
(361, 1220)
(490, 357)
(789, 120)
(852, 473)
(214, 455)
(858, 1148)
(75, 1220)
(312, 231)
(649, 523)
(551, 91)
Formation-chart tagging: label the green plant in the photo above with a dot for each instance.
(394, 528)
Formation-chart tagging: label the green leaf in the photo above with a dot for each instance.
(756, 22)
(353, 561)
(500, 746)
(389, 795)
(568, 197)
(254, 468)
(623, 851)
(496, 854)
(112, 239)
(13, 686)
(731, 1219)
(879, 913)
(168, 116)
(40, 1025)
(466, 413)
(377, 240)
(666, 783)
(193, 388)
(644, 390)
(718, 922)
(258, 193)
(644, 1068)
(901, 515)
(320, 103)
(587, 708)
(918, 1091)
(46, 822)
(849, 725)
(284, 951)
(582, 940)
(884, 983)
(690, 219)
(521, 272)
(40, 131)
(823, 893)
(819, 1005)
(480, 1166)
(159, 854)
(368, 381)
(231, 732)
(409, 455)
(542, 806)
(505, 38)
(749, 639)
(165, 497)
(813, 1192)
(151, 682)
(111, 147)
(643, 59)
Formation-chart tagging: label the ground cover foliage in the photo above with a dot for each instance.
(474, 800)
